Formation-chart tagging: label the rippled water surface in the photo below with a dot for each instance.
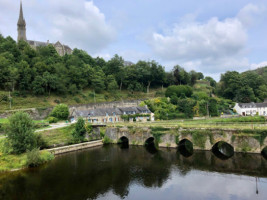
(112, 172)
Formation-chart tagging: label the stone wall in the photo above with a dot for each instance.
(35, 113)
(75, 147)
(202, 139)
(42, 113)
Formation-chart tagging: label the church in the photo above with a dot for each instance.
(60, 48)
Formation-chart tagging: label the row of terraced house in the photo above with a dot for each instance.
(104, 115)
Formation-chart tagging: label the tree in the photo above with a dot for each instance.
(111, 83)
(38, 85)
(213, 83)
(98, 81)
(20, 132)
(61, 111)
(245, 95)
(80, 131)
(179, 91)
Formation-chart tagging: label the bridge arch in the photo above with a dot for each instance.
(223, 150)
(264, 152)
(123, 142)
(123, 139)
(185, 147)
(150, 141)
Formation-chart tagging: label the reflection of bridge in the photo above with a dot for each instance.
(200, 138)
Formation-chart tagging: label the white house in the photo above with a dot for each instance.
(251, 109)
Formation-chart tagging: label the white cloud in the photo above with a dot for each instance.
(77, 23)
(212, 47)
(248, 13)
(261, 64)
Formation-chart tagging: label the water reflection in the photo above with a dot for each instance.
(110, 172)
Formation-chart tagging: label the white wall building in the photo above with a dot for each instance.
(251, 109)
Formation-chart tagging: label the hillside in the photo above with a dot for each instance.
(86, 96)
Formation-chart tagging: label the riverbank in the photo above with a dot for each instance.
(9, 162)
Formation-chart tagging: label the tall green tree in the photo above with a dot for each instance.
(20, 132)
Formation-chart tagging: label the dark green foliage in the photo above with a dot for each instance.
(43, 71)
(52, 120)
(244, 87)
(179, 91)
(20, 132)
(186, 106)
(34, 158)
(213, 109)
(80, 131)
(61, 111)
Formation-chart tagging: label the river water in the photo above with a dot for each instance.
(112, 172)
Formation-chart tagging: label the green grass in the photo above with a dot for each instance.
(84, 97)
(11, 162)
(60, 136)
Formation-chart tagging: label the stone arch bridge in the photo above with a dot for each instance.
(202, 139)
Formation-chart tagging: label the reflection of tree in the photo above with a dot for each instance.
(88, 174)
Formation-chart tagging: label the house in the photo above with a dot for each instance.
(251, 109)
(104, 115)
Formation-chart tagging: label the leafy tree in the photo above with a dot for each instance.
(111, 83)
(20, 132)
(60, 111)
(245, 95)
(213, 109)
(80, 131)
(98, 81)
(38, 85)
(213, 83)
(179, 91)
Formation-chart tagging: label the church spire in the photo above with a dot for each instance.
(21, 25)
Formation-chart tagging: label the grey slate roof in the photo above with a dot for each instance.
(110, 111)
(252, 105)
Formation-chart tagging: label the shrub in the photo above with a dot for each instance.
(20, 132)
(88, 128)
(79, 132)
(179, 91)
(61, 111)
(57, 101)
(107, 140)
(40, 142)
(77, 99)
(34, 158)
(52, 120)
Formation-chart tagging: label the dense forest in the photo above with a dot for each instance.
(24, 70)
(43, 71)
(244, 87)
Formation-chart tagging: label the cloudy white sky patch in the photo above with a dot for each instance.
(213, 46)
(207, 36)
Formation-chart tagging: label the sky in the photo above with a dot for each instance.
(210, 36)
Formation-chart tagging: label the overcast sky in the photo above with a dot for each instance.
(211, 36)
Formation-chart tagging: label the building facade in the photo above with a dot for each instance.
(21, 28)
(105, 115)
(251, 109)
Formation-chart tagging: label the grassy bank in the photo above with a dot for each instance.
(60, 136)
(83, 97)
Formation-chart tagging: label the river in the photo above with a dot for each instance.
(112, 172)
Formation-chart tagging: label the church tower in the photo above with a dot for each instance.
(21, 25)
